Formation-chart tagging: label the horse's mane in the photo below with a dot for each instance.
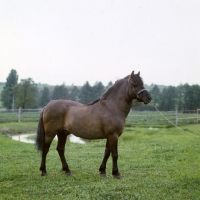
(93, 102)
(112, 88)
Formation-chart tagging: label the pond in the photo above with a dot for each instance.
(150, 128)
(28, 138)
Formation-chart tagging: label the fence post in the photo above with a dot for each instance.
(176, 116)
(19, 114)
(198, 115)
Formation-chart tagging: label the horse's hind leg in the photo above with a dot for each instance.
(45, 150)
(62, 136)
(102, 168)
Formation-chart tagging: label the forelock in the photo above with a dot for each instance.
(138, 80)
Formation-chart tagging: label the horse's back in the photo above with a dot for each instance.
(61, 102)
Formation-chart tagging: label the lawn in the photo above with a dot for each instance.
(161, 163)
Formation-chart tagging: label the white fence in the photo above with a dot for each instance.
(134, 117)
(19, 115)
(156, 118)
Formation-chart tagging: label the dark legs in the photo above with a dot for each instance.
(102, 168)
(62, 136)
(111, 147)
(114, 150)
(45, 150)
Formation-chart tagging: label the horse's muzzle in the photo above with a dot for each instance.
(145, 98)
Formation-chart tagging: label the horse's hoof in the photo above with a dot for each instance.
(103, 175)
(68, 173)
(44, 174)
(118, 176)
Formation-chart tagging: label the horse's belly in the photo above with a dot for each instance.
(88, 134)
(84, 128)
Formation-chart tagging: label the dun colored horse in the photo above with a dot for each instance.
(102, 119)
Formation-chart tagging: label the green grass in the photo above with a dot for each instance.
(17, 128)
(158, 164)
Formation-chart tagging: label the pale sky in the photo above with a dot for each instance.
(74, 41)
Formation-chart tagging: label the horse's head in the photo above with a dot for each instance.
(137, 85)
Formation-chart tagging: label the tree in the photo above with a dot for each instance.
(155, 93)
(45, 97)
(180, 97)
(7, 95)
(26, 93)
(98, 90)
(190, 97)
(86, 93)
(168, 99)
(109, 85)
(74, 94)
(60, 92)
(196, 96)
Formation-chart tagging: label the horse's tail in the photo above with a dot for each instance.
(39, 142)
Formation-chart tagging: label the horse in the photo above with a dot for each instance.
(102, 119)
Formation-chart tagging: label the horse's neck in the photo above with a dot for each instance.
(117, 96)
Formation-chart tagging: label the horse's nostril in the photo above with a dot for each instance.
(149, 98)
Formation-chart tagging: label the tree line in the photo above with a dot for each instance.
(183, 97)
(28, 94)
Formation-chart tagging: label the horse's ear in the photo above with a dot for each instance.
(132, 74)
(139, 73)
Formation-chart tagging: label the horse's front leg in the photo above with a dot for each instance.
(102, 168)
(113, 144)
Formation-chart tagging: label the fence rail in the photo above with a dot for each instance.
(19, 115)
(155, 118)
(134, 117)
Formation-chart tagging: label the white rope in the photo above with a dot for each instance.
(172, 122)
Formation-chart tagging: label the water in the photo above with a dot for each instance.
(25, 138)
(150, 128)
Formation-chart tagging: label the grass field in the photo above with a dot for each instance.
(159, 164)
